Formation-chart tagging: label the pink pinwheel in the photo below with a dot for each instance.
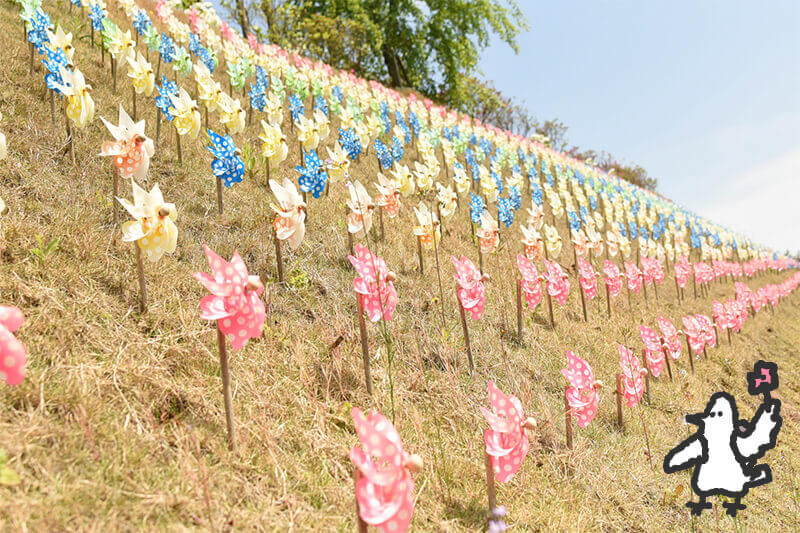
(587, 277)
(557, 282)
(375, 284)
(652, 270)
(506, 437)
(670, 334)
(384, 489)
(613, 281)
(652, 350)
(721, 315)
(235, 299)
(471, 292)
(694, 333)
(582, 396)
(531, 284)
(12, 352)
(632, 376)
(634, 276)
(707, 327)
(683, 270)
(737, 311)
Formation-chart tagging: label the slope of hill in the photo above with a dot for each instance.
(119, 424)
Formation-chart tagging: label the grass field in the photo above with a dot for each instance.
(119, 424)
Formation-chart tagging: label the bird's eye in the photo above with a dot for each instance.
(711, 414)
(719, 413)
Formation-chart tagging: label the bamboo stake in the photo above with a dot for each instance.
(620, 421)
(567, 420)
(608, 300)
(226, 388)
(362, 328)
(466, 331)
(220, 206)
(178, 143)
(278, 257)
(362, 526)
(114, 195)
(133, 97)
(438, 274)
(114, 74)
(689, 351)
(583, 302)
(158, 128)
(419, 255)
(70, 141)
(380, 220)
(667, 358)
(519, 310)
(53, 106)
(490, 487)
(646, 376)
(140, 274)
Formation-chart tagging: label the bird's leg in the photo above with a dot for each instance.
(697, 507)
(733, 507)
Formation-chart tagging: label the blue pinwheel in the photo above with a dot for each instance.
(515, 198)
(56, 60)
(194, 44)
(476, 208)
(208, 59)
(536, 194)
(504, 212)
(321, 104)
(141, 22)
(338, 94)
(296, 107)
(312, 176)
(397, 149)
(350, 142)
(574, 221)
(38, 33)
(413, 120)
(384, 154)
(227, 164)
(163, 100)
(387, 122)
(97, 17)
(166, 49)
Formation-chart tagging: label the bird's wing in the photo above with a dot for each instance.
(762, 432)
(684, 455)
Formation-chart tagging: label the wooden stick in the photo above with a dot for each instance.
(114, 74)
(419, 255)
(362, 328)
(646, 376)
(278, 257)
(140, 274)
(438, 275)
(567, 420)
(114, 195)
(667, 358)
(380, 220)
(519, 310)
(53, 106)
(689, 351)
(220, 206)
(466, 332)
(583, 302)
(70, 143)
(490, 488)
(362, 526)
(226, 388)
(550, 308)
(620, 421)
(178, 144)
(608, 300)
(133, 97)
(480, 259)
(729, 335)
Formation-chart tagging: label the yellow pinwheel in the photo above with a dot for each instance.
(80, 105)
(153, 226)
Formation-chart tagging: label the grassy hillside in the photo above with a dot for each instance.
(119, 424)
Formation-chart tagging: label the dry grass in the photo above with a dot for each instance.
(119, 424)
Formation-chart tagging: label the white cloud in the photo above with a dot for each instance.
(763, 202)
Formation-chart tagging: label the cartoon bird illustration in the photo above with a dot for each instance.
(724, 451)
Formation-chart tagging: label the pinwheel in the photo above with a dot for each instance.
(471, 295)
(695, 337)
(529, 285)
(723, 318)
(587, 282)
(152, 230)
(360, 208)
(533, 246)
(312, 176)
(669, 333)
(231, 114)
(630, 384)
(447, 201)
(141, 72)
(235, 303)
(581, 398)
(131, 150)
(227, 166)
(633, 276)
(13, 358)
(388, 198)
(708, 329)
(3, 153)
(337, 164)
(59, 39)
(654, 358)
(427, 228)
(488, 233)
(187, 117)
(425, 173)
(384, 487)
(552, 242)
(290, 219)
(122, 47)
(535, 217)
(273, 145)
(79, 106)
(558, 284)
(613, 278)
(506, 439)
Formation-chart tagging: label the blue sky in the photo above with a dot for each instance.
(704, 94)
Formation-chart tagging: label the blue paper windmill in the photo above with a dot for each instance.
(397, 149)
(321, 104)
(574, 221)
(166, 49)
(163, 100)
(96, 16)
(350, 142)
(476, 208)
(504, 212)
(387, 122)
(194, 44)
(515, 198)
(141, 22)
(207, 58)
(227, 164)
(38, 33)
(56, 60)
(413, 120)
(383, 153)
(258, 95)
(296, 107)
(312, 176)
(338, 94)
(536, 194)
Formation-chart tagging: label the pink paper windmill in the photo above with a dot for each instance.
(582, 396)
(506, 438)
(634, 276)
(670, 334)
(707, 327)
(694, 332)
(722, 315)
(587, 278)
(375, 284)
(557, 282)
(652, 350)
(632, 376)
(12, 352)
(683, 271)
(613, 278)
(531, 284)
(235, 299)
(384, 488)
(471, 291)
(652, 270)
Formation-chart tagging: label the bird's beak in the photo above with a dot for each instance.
(695, 418)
